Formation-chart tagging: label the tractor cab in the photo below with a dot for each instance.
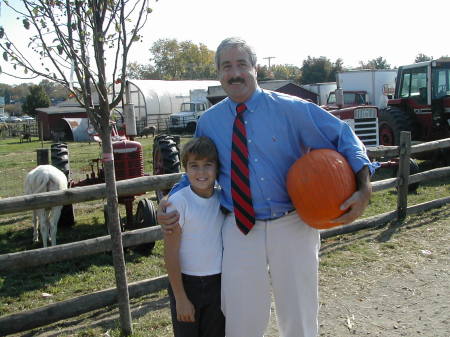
(421, 103)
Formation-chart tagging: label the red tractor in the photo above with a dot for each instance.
(421, 103)
(128, 163)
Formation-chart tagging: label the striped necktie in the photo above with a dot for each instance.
(240, 184)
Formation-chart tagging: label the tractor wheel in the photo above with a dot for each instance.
(190, 128)
(166, 159)
(145, 217)
(413, 169)
(60, 160)
(392, 122)
(60, 157)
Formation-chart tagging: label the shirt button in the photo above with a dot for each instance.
(262, 178)
(249, 140)
(256, 160)
(268, 199)
(245, 122)
(274, 214)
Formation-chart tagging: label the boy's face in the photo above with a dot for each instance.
(202, 174)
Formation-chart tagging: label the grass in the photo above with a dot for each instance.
(23, 290)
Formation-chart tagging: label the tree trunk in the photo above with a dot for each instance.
(116, 235)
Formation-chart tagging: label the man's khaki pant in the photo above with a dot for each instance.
(281, 255)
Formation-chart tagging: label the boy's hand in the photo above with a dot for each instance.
(168, 221)
(185, 310)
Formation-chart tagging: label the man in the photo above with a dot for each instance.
(266, 245)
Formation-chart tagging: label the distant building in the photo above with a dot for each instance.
(53, 122)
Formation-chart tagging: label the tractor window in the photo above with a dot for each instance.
(419, 86)
(418, 81)
(406, 79)
(441, 82)
(360, 99)
(349, 98)
(331, 98)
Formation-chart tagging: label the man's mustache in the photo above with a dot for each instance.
(236, 80)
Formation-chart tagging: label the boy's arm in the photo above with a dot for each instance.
(185, 309)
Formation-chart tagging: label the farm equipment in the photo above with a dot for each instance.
(421, 103)
(128, 163)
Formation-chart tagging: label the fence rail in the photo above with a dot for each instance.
(61, 310)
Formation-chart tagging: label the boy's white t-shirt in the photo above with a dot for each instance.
(201, 240)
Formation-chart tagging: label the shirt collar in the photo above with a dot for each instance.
(251, 103)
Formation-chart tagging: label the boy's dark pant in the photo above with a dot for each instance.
(204, 294)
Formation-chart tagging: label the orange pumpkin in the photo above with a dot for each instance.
(318, 183)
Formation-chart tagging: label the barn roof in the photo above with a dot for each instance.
(53, 110)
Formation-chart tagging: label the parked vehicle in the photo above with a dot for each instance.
(322, 90)
(363, 119)
(371, 87)
(26, 118)
(421, 103)
(13, 119)
(190, 112)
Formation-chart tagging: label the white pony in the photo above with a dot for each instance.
(45, 178)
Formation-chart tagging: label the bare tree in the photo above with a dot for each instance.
(71, 40)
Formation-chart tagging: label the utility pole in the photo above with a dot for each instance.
(269, 58)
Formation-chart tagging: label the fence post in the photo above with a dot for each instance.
(42, 156)
(403, 174)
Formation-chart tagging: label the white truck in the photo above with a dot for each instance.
(365, 87)
(190, 112)
(322, 90)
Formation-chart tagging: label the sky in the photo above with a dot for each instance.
(291, 30)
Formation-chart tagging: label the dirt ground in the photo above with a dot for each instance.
(388, 281)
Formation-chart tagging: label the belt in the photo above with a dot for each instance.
(227, 211)
(204, 278)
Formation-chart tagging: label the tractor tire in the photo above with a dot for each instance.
(392, 121)
(166, 159)
(145, 217)
(60, 157)
(60, 160)
(190, 128)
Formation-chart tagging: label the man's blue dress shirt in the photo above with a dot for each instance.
(280, 129)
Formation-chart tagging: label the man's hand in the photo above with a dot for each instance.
(357, 203)
(185, 310)
(168, 221)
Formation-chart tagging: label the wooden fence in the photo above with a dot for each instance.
(76, 306)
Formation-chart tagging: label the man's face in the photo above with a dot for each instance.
(236, 74)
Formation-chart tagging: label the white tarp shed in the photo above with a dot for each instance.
(155, 100)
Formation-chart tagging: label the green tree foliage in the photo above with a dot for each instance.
(37, 98)
(173, 60)
(138, 71)
(320, 69)
(279, 72)
(55, 91)
(422, 58)
(376, 63)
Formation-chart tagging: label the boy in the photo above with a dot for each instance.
(193, 253)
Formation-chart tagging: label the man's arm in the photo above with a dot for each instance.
(184, 307)
(357, 203)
